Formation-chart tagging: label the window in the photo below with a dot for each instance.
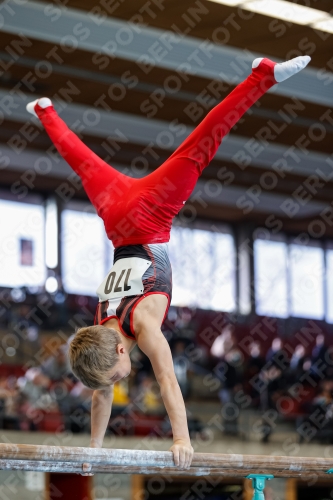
(51, 233)
(86, 252)
(289, 279)
(306, 281)
(270, 274)
(203, 264)
(329, 285)
(22, 260)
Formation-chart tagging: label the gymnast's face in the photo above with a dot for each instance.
(123, 366)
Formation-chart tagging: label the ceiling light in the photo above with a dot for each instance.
(18, 295)
(286, 11)
(10, 351)
(326, 25)
(232, 3)
(51, 284)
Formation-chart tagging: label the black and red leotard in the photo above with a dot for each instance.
(157, 279)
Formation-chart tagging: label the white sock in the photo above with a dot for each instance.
(44, 102)
(286, 69)
(256, 62)
(289, 68)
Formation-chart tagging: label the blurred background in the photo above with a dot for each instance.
(251, 321)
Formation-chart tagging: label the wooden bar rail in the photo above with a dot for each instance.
(70, 459)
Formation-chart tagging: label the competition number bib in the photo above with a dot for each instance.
(124, 278)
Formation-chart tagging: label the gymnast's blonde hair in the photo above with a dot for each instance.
(92, 352)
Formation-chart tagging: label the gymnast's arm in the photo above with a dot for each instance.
(156, 347)
(100, 415)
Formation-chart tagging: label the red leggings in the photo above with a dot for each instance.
(140, 211)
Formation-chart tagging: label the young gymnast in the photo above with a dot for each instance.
(135, 295)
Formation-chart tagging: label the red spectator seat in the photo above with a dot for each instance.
(11, 370)
(52, 421)
(145, 425)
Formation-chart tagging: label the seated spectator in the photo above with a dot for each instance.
(298, 357)
(296, 364)
(317, 423)
(34, 396)
(185, 322)
(35, 386)
(324, 397)
(81, 394)
(57, 365)
(318, 358)
(276, 355)
(273, 385)
(230, 374)
(9, 418)
(256, 361)
(318, 352)
(79, 409)
(140, 365)
(146, 396)
(253, 368)
(224, 342)
(120, 395)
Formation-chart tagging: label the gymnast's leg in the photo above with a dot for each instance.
(182, 169)
(100, 181)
